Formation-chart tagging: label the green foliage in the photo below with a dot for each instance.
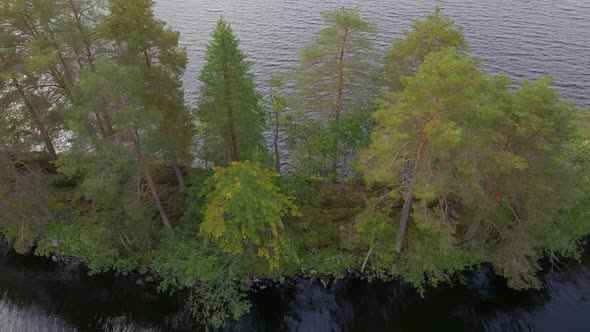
(141, 39)
(313, 142)
(334, 86)
(93, 243)
(45, 44)
(185, 261)
(429, 128)
(229, 108)
(99, 235)
(110, 172)
(245, 211)
(427, 35)
(484, 164)
(26, 201)
(303, 190)
(142, 42)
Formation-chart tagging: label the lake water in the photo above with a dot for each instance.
(38, 295)
(524, 39)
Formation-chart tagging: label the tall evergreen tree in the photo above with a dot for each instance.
(427, 139)
(139, 39)
(229, 106)
(479, 168)
(334, 82)
(115, 167)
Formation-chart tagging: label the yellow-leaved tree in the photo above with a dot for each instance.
(244, 213)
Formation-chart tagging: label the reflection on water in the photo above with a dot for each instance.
(28, 318)
(38, 295)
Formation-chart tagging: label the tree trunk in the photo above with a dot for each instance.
(367, 258)
(339, 97)
(409, 195)
(179, 177)
(69, 76)
(404, 221)
(276, 134)
(156, 197)
(234, 154)
(36, 120)
(150, 182)
(84, 36)
(233, 148)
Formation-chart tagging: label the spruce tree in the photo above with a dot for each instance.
(229, 107)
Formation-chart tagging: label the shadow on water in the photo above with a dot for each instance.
(37, 294)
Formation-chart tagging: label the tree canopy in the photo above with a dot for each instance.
(450, 149)
(229, 108)
(427, 35)
(334, 84)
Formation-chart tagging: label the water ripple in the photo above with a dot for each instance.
(523, 39)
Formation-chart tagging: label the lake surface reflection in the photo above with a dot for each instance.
(39, 295)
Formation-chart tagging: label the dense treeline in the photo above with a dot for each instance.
(414, 164)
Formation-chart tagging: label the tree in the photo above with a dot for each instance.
(524, 207)
(244, 211)
(229, 106)
(24, 45)
(427, 35)
(139, 39)
(424, 144)
(46, 45)
(334, 78)
(485, 172)
(115, 166)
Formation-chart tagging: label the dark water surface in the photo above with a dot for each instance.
(524, 39)
(39, 295)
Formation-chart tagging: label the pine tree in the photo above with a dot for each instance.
(427, 35)
(229, 106)
(139, 39)
(422, 142)
(115, 167)
(46, 46)
(482, 169)
(334, 83)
